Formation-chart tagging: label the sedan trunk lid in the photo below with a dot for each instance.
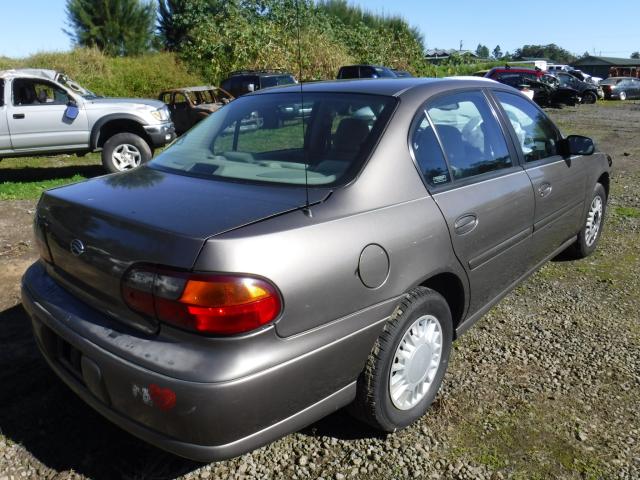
(97, 229)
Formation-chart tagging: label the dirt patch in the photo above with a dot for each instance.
(17, 251)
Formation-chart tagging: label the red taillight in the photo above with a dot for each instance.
(215, 304)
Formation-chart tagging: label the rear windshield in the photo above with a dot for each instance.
(271, 138)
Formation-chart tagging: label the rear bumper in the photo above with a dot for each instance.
(161, 134)
(203, 421)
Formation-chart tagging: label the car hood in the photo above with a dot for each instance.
(129, 101)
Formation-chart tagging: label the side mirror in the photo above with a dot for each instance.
(576, 145)
(72, 110)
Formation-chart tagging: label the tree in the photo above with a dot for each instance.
(177, 18)
(497, 53)
(482, 51)
(117, 27)
(551, 51)
(635, 55)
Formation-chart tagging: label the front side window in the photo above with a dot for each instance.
(470, 134)
(536, 134)
(36, 92)
(278, 138)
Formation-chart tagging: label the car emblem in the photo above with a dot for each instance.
(77, 247)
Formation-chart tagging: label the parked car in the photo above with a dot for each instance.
(585, 77)
(246, 283)
(542, 88)
(588, 92)
(401, 73)
(553, 68)
(621, 88)
(44, 112)
(189, 105)
(247, 81)
(365, 71)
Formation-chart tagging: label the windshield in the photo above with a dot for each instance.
(75, 87)
(272, 137)
(214, 95)
(277, 80)
(610, 81)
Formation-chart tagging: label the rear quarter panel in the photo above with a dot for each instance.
(314, 260)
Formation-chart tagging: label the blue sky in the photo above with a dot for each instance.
(575, 25)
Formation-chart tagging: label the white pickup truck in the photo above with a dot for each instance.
(43, 112)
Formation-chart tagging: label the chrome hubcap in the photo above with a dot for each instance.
(415, 362)
(126, 156)
(594, 219)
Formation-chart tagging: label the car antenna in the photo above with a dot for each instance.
(307, 209)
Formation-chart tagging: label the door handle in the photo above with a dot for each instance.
(465, 223)
(18, 116)
(544, 189)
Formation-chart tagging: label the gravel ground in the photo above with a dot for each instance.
(547, 385)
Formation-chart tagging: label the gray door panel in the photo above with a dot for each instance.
(5, 139)
(46, 126)
(560, 188)
(494, 252)
(36, 117)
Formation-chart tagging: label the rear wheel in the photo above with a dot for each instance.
(589, 97)
(125, 151)
(592, 227)
(405, 368)
(623, 95)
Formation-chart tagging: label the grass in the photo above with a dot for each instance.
(31, 190)
(27, 177)
(627, 212)
(141, 76)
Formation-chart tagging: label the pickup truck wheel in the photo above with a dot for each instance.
(593, 223)
(405, 368)
(125, 151)
(589, 97)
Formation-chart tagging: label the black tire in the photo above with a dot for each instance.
(131, 142)
(373, 404)
(589, 98)
(585, 245)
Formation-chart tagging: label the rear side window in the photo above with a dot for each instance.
(470, 134)
(428, 153)
(349, 72)
(1, 93)
(536, 134)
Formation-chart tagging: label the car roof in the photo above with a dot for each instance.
(29, 72)
(201, 88)
(366, 65)
(516, 70)
(378, 86)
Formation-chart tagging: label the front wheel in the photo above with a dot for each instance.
(125, 151)
(407, 364)
(592, 227)
(589, 97)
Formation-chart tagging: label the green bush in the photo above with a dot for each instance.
(139, 76)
